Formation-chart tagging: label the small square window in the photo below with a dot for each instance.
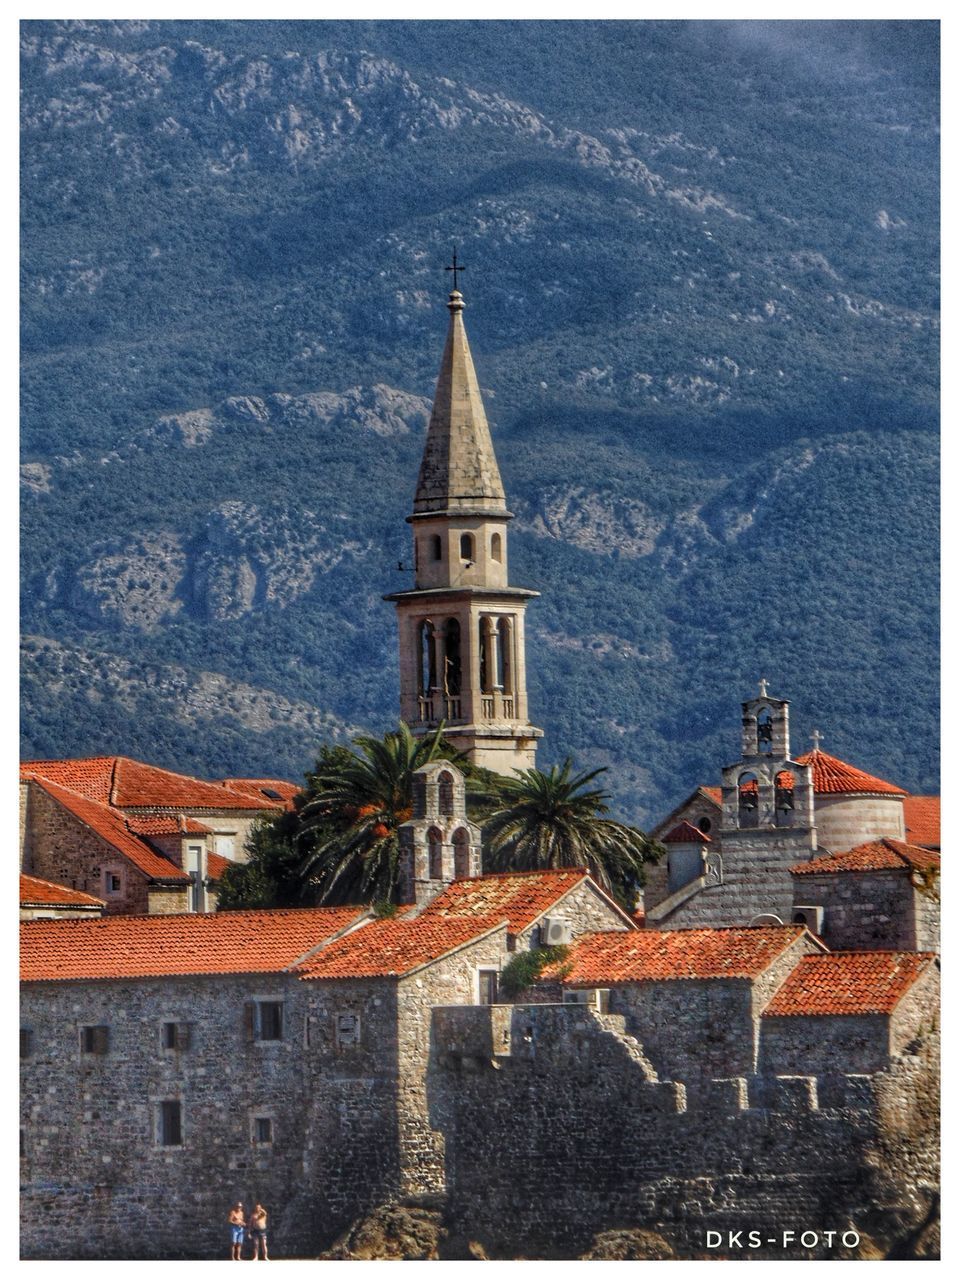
(175, 1035)
(262, 1130)
(113, 883)
(348, 1029)
(94, 1040)
(170, 1124)
(26, 1042)
(270, 1021)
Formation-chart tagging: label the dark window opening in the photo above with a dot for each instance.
(765, 732)
(113, 883)
(26, 1042)
(489, 986)
(446, 794)
(704, 825)
(451, 659)
(466, 546)
(168, 1035)
(171, 1125)
(425, 675)
(94, 1039)
(436, 546)
(435, 846)
(270, 1020)
(263, 1129)
(461, 854)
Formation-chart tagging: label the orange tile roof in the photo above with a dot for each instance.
(714, 793)
(831, 776)
(35, 893)
(174, 824)
(604, 959)
(168, 946)
(519, 897)
(685, 833)
(394, 947)
(131, 784)
(284, 790)
(217, 865)
(848, 982)
(111, 826)
(922, 817)
(875, 855)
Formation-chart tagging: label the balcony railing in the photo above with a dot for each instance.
(434, 709)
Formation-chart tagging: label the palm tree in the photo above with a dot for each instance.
(358, 799)
(553, 819)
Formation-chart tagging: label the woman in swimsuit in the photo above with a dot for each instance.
(257, 1226)
(235, 1219)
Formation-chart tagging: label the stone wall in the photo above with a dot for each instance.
(813, 1046)
(862, 910)
(584, 909)
(926, 907)
(844, 821)
(62, 849)
(563, 1135)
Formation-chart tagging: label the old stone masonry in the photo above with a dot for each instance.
(746, 1067)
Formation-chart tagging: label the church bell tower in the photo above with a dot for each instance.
(461, 627)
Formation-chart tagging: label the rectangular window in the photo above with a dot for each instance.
(26, 1042)
(112, 882)
(488, 982)
(348, 1029)
(94, 1040)
(175, 1035)
(263, 1019)
(170, 1124)
(262, 1130)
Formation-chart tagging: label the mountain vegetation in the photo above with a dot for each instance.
(702, 288)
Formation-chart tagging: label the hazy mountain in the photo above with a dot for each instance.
(702, 288)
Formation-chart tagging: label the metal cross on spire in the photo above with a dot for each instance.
(763, 688)
(815, 739)
(455, 268)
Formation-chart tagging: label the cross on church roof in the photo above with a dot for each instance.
(815, 739)
(455, 268)
(763, 688)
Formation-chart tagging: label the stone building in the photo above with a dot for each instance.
(461, 627)
(41, 900)
(737, 854)
(145, 839)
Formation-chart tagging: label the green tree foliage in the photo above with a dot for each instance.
(269, 878)
(555, 819)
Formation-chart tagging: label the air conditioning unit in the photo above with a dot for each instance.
(812, 917)
(555, 932)
(597, 998)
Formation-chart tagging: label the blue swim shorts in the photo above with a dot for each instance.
(236, 1234)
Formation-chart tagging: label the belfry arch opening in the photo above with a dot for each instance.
(496, 548)
(445, 797)
(466, 546)
(765, 732)
(784, 785)
(435, 854)
(461, 853)
(748, 799)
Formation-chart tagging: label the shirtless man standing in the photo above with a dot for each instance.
(235, 1219)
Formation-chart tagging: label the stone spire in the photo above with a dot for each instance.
(459, 470)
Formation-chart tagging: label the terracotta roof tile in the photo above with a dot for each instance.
(922, 817)
(519, 897)
(174, 824)
(685, 833)
(166, 946)
(394, 947)
(832, 776)
(875, 855)
(112, 827)
(217, 865)
(131, 784)
(35, 893)
(848, 982)
(272, 788)
(604, 959)
(715, 794)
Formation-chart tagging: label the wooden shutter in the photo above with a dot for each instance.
(249, 1019)
(183, 1035)
(101, 1039)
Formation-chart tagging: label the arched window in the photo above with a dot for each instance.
(425, 650)
(748, 792)
(435, 847)
(496, 548)
(765, 732)
(704, 824)
(436, 546)
(416, 555)
(461, 853)
(466, 546)
(446, 794)
(504, 663)
(451, 673)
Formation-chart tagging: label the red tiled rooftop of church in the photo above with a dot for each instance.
(921, 815)
(518, 897)
(604, 959)
(875, 855)
(715, 793)
(126, 783)
(263, 786)
(111, 826)
(168, 946)
(848, 982)
(685, 833)
(34, 891)
(394, 947)
(831, 775)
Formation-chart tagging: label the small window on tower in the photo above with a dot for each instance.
(466, 546)
(436, 546)
(496, 548)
